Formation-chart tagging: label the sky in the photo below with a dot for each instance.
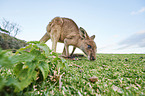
(119, 25)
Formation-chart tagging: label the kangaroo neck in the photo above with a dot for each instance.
(80, 43)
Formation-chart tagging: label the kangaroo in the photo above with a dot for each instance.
(66, 31)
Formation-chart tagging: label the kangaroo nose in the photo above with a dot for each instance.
(93, 58)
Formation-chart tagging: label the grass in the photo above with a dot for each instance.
(118, 74)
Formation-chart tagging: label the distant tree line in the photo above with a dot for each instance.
(9, 27)
(8, 31)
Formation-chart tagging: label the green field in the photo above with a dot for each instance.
(36, 72)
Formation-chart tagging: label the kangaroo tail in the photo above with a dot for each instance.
(45, 38)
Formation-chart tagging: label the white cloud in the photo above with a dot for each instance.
(136, 39)
(138, 12)
(140, 32)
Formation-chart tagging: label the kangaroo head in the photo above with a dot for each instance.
(88, 45)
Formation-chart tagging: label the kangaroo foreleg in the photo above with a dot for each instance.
(55, 35)
(54, 45)
(73, 50)
(66, 47)
(64, 51)
(68, 42)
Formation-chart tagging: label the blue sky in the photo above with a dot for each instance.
(119, 25)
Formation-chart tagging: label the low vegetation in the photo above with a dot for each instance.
(9, 42)
(35, 70)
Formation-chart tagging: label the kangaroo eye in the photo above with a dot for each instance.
(89, 46)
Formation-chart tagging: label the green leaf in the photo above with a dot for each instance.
(17, 69)
(23, 57)
(5, 60)
(24, 71)
(45, 48)
(27, 81)
(31, 69)
(2, 82)
(43, 66)
(25, 74)
(35, 52)
(14, 82)
(33, 42)
(28, 47)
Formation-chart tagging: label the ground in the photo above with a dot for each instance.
(115, 74)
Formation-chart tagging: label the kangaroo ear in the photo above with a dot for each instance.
(92, 37)
(83, 33)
